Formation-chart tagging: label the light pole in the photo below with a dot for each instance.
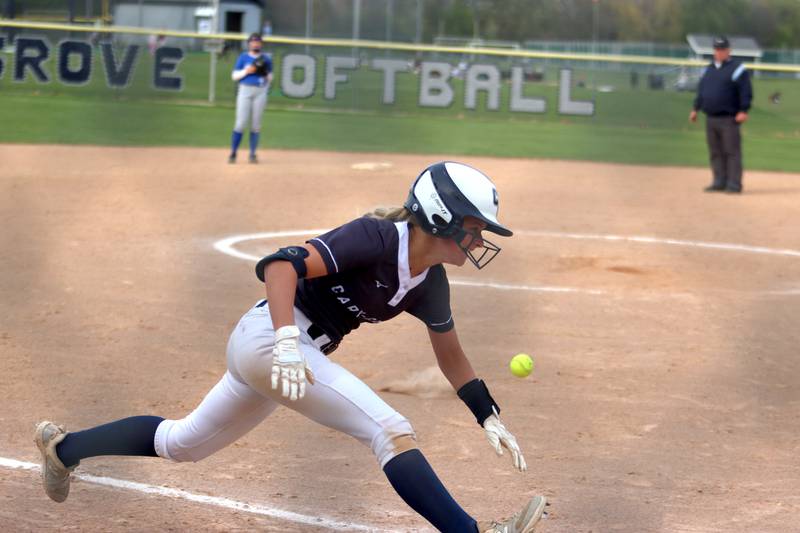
(475, 27)
(389, 16)
(418, 36)
(356, 19)
(595, 24)
(212, 74)
(309, 20)
(595, 31)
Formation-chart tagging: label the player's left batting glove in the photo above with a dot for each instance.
(476, 395)
(289, 365)
(499, 437)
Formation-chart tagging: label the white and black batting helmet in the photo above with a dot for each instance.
(447, 192)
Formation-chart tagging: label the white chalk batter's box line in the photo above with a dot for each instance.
(234, 505)
(228, 247)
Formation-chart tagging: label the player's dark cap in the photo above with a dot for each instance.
(254, 37)
(721, 42)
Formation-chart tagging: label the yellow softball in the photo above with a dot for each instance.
(521, 365)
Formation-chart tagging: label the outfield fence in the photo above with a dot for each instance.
(375, 77)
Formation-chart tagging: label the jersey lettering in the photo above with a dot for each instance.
(363, 277)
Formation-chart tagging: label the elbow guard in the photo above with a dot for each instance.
(477, 397)
(296, 255)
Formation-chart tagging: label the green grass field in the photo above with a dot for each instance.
(630, 125)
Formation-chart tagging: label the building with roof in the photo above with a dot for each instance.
(743, 48)
(235, 16)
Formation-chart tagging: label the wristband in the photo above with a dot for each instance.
(480, 402)
(287, 332)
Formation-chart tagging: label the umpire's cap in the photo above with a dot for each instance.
(254, 37)
(721, 42)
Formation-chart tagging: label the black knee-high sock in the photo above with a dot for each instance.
(129, 436)
(416, 482)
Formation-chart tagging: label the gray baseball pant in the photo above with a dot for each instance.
(250, 104)
(725, 151)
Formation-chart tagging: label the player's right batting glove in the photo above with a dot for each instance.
(499, 437)
(289, 365)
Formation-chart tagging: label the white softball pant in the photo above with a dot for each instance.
(243, 398)
(251, 101)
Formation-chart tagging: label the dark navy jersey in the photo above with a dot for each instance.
(724, 90)
(369, 280)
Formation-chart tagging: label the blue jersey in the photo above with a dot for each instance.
(245, 60)
(369, 280)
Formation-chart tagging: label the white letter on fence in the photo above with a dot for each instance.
(305, 88)
(389, 68)
(332, 77)
(518, 101)
(482, 78)
(567, 106)
(435, 91)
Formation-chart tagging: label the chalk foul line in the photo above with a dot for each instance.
(226, 503)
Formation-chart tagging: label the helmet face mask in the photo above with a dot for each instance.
(444, 194)
(489, 249)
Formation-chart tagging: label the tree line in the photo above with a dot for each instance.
(773, 23)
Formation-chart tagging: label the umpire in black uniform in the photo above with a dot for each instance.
(724, 95)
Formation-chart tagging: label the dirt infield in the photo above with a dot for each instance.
(665, 395)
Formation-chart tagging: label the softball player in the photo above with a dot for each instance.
(368, 270)
(253, 71)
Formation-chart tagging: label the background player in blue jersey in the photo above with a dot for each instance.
(368, 270)
(253, 71)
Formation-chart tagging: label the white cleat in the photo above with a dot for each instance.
(55, 476)
(523, 522)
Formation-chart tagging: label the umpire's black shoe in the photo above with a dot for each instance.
(232, 158)
(712, 188)
(733, 191)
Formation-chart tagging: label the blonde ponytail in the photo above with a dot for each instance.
(395, 214)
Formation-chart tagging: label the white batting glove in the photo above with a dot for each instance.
(499, 437)
(289, 365)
